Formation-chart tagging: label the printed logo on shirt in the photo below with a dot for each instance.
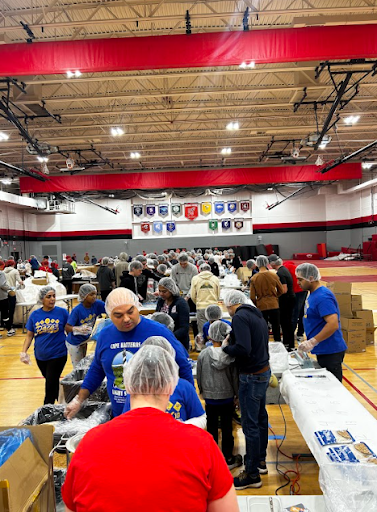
(117, 366)
(174, 410)
(88, 319)
(47, 326)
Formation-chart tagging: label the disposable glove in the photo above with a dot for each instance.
(73, 408)
(307, 346)
(25, 358)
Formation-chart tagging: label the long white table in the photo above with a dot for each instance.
(279, 503)
(28, 306)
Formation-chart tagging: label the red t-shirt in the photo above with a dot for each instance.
(292, 270)
(146, 460)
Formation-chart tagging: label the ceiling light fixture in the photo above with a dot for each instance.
(6, 181)
(73, 74)
(233, 125)
(270, 188)
(351, 120)
(3, 136)
(323, 145)
(367, 165)
(42, 159)
(135, 155)
(226, 151)
(111, 195)
(116, 131)
(245, 65)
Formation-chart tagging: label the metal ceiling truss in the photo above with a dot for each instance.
(292, 156)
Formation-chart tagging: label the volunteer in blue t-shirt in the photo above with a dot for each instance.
(81, 322)
(212, 313)
(46, 325)
(115, 345)
(321, 321)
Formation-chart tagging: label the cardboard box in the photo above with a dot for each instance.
(355, 340)
(370, 336)
(356, 302)
(339, 287)
(42, 281)
(25, 480)
(367, 316)
(345, 305)
(349, 323)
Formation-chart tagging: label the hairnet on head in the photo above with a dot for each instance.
(120, 297)
(218, 331)
(160, 341)
(308, 271)
(161, 258)
(151, 371)
(164, 319)
(150, 263)
(213, 312)
(135, 265)
(162, 268)
(273, 257)
(123, 256)
(182, 257)
(200, 262)
(169, 284)
(204, 267)
(262, 261)
(234, 297)
(250, 264)
(211, 259)
(141, 258)
(105, 260)
(44, 291)
(84, 291)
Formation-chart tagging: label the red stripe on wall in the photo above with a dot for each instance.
(189, 179)
(63, 234)
(196, 50)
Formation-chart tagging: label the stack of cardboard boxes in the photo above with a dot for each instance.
(357, 324)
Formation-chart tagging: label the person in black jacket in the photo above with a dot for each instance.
(214, 266)
(105, 278)
(249, 345)
(175, 306)
(147, 273)
(67, 275)
(129, 277)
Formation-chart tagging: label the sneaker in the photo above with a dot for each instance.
(262, 468)
(11, 332)
(234, 462)
(244, 480)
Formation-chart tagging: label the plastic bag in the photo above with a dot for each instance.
(100, 324)
(11, 440)
(72, 382)
(278, 357)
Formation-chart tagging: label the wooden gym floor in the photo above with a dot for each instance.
(22, 387)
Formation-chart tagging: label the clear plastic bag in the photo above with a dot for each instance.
(278, 357)
(11, 440)
(100, 324)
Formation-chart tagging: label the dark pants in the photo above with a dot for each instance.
(4, 312)
(225, 412)
(332, 363)
(68, 284)
(298, 313)
(12, 309)
(273, 316)
(194, 325)
(104, 294)
(286, 305)
(254, 418)
(51, 371)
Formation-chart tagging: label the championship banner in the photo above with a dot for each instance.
(138, 210)
(170, 226)
(225, 223)
(206, 208)
(145, 227)
(157, 227)
(238, 224)
(213, 224)
(163, 210)
(176, 209)
(191, 211)
(151, 209)
(219, 207)
(245, 206)
(232, 206)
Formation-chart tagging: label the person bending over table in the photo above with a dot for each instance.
(321, 321)
(46, 325)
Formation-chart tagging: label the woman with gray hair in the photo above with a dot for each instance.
(106, 278)
(174, 305)
(46, 325)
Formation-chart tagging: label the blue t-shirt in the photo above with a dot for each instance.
(114, 348)
(49, 336)
(184, 403)
(81, 315)
(207, 325)
(320, 303)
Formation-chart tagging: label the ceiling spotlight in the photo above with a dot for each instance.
(3, 136)
(6, 181)
(367, 165)
(319, 161)
(73, 74)
(243, 65)
(111, 195)
(117, 132)
(351, 120)
(233, 125)
(42, 159)
(270, 189)
(226, 151)
(135, 155)
(250, 65)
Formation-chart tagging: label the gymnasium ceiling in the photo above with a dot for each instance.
(176, 118)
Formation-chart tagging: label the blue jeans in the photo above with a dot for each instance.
(254, 418)
(298, 313)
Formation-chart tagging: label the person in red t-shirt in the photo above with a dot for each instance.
(145, 459)
(298, 310)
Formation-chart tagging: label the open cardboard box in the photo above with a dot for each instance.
(26, 483)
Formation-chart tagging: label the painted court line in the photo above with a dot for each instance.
(360, 377)
(360, 393)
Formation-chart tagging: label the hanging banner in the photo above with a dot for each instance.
(170, 226)
(157, 227)
(138, 210)
(163, 209)
(151, 209)
(219, 207)
(191, 211)
(145, 227)
(238, 224)
(232, 206)
(245, 206)
(206, 208)
(213, 224)
(225, 223)
(176, 209)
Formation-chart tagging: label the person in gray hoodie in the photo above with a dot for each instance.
(217, 380)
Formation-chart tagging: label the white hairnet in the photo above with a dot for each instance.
(308, 271)
(123, 256)
(250, 264)
(44, 291)
(164, 319)
(213, 312)
(262, 261)
(218, 331)
(84, 291)
(151, 371)
(160, 341)
(120, 297)
(204, 267)
(169, 284)
(162, 268)
(234, 297)
(105, 261)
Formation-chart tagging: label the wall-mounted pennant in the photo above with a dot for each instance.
(151, 209)
(225, 223)
(206, 208)
(213, 224)
(245, 206)
(157, 227)
(232, 206)
(191, 211)
(170, 226)
(219, 207)
(163, 209)
(176, 209)
(145, 227)
(238, 224)
(138, 210)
